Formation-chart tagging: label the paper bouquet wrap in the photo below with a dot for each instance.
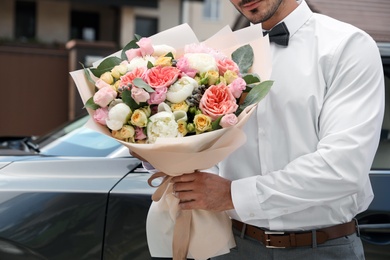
(197, 234)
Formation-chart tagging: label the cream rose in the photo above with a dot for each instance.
(119, 70)
(181, 89)
(182, 106)
(139, 118)
(126, 133)
(202, 123)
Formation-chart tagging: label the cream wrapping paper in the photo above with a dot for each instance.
(195, 234)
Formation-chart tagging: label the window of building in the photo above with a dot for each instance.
(85, 26)
(146, 26)
(211, 9)
(25, 20)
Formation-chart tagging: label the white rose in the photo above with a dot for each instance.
(202, 62)
(181, 89)
(162, 50)
(162, 124)
(118, 115)
(139, 62)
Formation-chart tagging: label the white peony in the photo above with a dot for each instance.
(162, 124)
(162, 50)
(181, 89)
(118, 115)
(202, 62)
(139, 62)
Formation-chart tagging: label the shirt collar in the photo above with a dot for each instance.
(297, 18)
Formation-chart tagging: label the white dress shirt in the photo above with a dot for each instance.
(311, 144)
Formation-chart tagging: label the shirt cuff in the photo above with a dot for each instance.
(245, 199)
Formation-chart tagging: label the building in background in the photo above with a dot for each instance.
(58, 21)
(42, 40)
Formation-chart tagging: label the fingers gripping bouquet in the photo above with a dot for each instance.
(180, 106)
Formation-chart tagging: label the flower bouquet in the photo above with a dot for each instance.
(180, 104)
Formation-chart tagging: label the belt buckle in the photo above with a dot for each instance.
(268, 239)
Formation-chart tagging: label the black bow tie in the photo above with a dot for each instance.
(279, 34)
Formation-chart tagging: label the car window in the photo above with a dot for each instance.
(382, 157)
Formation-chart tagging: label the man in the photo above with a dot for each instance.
(303, 172)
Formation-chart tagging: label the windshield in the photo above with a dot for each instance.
(82, 142)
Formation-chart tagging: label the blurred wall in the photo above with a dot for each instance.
(34, 90)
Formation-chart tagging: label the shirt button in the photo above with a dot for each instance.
(261, 132)
(251, 215)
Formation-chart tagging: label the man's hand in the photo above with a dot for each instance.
(202, 190)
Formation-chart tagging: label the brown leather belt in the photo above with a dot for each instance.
(273, 239)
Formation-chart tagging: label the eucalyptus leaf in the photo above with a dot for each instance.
(138, 82)
(106, 65)
(131, 45)
(91, 104)
(243, 56)
(87, 74)
(256, 94)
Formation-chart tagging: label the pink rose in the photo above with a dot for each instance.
(228, 120)
(145, 48)
(237, 87)
(158, 96)
(104, 96)
(183, 65)
(100, 115)
(139, 95)
(217, 101)
(132, 53)
(139, 133)
(161, 77)
(101, 84)
(128, 78)
(227, 64)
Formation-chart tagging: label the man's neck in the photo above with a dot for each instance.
(285, 8)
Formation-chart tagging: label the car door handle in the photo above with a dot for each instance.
(377, 234)
(376, 228)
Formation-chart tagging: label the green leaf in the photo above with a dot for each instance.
(137, 37)
(149, 65)
(131, 45)
(138, 82)
(88, 74)
(90, 104)
(170, 55)
(126, 97)
(257, 93)
(243, 56)
(215, 124)
(106, 65)
(251, 78)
